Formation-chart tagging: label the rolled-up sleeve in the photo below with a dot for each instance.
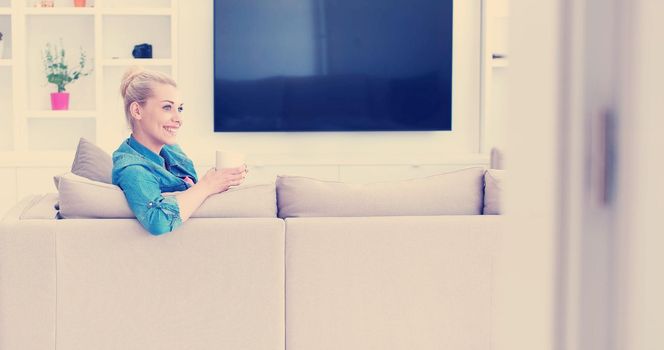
(157, 213)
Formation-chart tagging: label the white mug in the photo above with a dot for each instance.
(228, 159)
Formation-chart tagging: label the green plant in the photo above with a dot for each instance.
(57, 70)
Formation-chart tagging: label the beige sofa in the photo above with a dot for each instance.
(296, 283)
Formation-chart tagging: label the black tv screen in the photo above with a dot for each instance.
(332, 65)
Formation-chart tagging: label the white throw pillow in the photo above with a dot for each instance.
(493, 191)
(455, 193)
(80, 197)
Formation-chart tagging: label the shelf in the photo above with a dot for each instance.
(63, 11)
(5, 11)
(5, 62)
(137, 62)
(139, 11)
(154, 4)
(155, 30)
(13, 159)
(61, 114)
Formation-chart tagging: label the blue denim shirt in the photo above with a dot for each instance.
(144, 175)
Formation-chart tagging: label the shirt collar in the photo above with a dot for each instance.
(144, 151)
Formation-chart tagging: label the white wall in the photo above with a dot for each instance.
(525, 290)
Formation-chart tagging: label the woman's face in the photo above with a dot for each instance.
(159, 119)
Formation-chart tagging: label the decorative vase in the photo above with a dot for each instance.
(59, 101)
(79, 3)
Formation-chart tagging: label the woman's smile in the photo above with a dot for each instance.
(172, 129)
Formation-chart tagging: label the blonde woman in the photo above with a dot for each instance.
(150, 162)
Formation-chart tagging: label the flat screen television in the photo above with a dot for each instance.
(332, 65)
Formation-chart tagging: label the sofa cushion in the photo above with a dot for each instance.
(454, 193)
(92, 162)
(84, 198)
(493, 191)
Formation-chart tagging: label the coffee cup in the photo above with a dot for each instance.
(229, 159)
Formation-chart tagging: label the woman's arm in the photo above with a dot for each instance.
(157, 214)
(214, 181)
(160, 214)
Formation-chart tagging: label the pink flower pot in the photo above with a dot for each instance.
(59, 101)
(79, 3)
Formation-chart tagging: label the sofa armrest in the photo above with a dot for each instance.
(108, 284)
(27, 280)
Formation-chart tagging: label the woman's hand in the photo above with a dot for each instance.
(217, 181)
(214, 181)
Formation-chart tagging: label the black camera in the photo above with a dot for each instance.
(142, 51)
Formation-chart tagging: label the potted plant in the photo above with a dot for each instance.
(58, 73)
(2, 46)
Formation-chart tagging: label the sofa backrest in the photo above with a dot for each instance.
(402, 282)
(249, 283)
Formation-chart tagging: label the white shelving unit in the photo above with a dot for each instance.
(61, 114)
(495, 61)
(141, 62)
(106, 30)
(7, 75)
(137, 11)
(60, 11)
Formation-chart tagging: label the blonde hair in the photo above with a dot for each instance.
(136, 86)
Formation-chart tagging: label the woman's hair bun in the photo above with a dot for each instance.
(127, 78)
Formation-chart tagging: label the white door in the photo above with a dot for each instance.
(611, 238)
